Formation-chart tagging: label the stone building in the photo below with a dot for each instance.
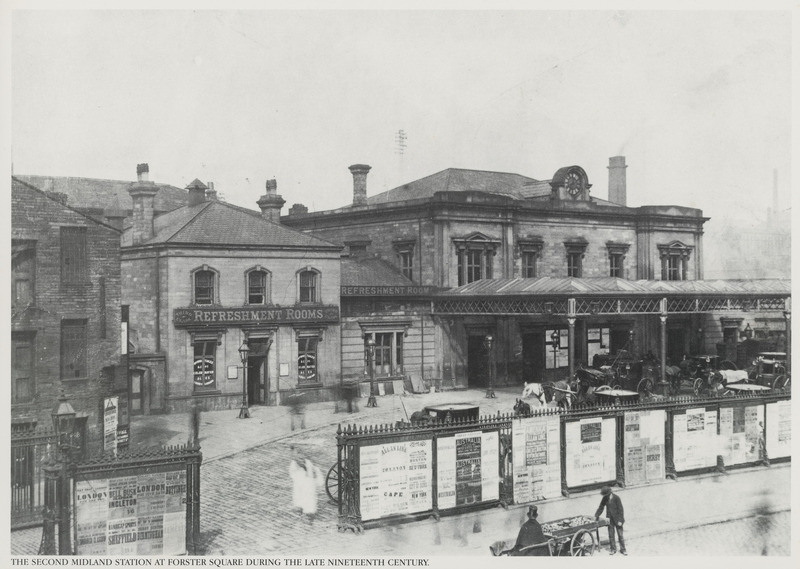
(205, 278)
(65, 311)
(542, 267)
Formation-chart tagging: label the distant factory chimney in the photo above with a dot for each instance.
(617, 190)
(360, 172)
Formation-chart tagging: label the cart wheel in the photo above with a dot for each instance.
(697, 387)
(332, 483)
(582, 544)
(727, 364)
(644, 387)
(782, 382)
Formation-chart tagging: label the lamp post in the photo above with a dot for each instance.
(63, 416)
(371, 402)
(488, 343)
(244, 352)
(554, 337)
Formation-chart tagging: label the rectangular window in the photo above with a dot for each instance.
(388, 354)
(204, 287)
(22, 371)
(597, 343)
(257, 287)
(307, 359)
(574, 265)
(557, 349)
(73, 349)
(23, 264)
(74, 268)
(674, 267)
(407, 263)
(528, 264)
(308, 286)
(615, 266)
(205, 355)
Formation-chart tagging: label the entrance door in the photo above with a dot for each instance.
(137, 392)
(257, 371)
(477, 362)
(677, 345)
(533, 362)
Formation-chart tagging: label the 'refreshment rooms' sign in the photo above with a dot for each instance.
(251, 315)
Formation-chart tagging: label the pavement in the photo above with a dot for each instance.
(246, 493)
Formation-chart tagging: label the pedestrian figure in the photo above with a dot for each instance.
(616, 518)
(350, 393)
(306, 482)
(763, 521)
(530, 534)
(297, 412)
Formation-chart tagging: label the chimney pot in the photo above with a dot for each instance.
(617, 182)
(360, 172)
(271, 203)
(211, 193)
(197, 192)
(142, 172)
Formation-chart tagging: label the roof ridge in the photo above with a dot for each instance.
(88, 178)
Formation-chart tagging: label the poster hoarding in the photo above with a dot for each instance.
(590, 451)
(536, 443)
(694, 439)
(395, 478)
(468, 469)
(644, 443)
(741, 430)
(141, 514)
(779, 429)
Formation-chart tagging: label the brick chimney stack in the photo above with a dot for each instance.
(197, 192)
(360, 172)
(211, 193)
(142, 193)
(617, 186)
(271, 203)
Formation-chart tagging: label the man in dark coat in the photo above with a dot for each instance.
(616, 518)
(531, 534)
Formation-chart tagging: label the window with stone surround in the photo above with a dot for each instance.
(205, 363)
(388, 353)
(23, 270)
(674, 261)
(405, 257)
(307, 361)
(204, 286)
(258, 286)
(73, 349)
(475, 257)
(576, 249)
(74, 267)
(308, 285)
(529, 250)
(616, 258)
(22, 369)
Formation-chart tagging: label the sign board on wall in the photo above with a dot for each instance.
(779, 429)
(143, 514)
(395, 478)
(468, 469)
(536, 443)
(110, 406)
(644, 446)
(236, 316)
(694, 439)
(591, 451)
(741, 430)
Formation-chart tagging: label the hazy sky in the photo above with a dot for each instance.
(698, 102)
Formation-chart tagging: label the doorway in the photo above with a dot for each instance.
(257, 376)
(138, 392)
(677, 345)
(533, 356)
(477, 362)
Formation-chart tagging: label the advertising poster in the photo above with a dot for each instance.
(396, 478)
(740, 430)
(591, 451)
(132, 515)
(644, 446)
(694, 436)
(446, 472)
(468, 468)
(779, 429)
(536, 443)
(490, 466)
(110, 406)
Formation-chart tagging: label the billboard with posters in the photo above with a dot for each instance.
(741, 431)
(536, 443)
(694, 439)
(590, 451)
(396, 478)
(468, 469)
(142, 514)
(779, 429)
(110, 407)
(644, 444)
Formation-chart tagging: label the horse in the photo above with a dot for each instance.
(521, 408)
(534, 390)
(559, 392)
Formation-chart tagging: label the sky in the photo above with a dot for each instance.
(698, 102)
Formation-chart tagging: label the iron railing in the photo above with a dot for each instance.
(30, 450)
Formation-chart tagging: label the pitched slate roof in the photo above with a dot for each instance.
(372, 272)
(215, 223)
(614, 286)
(105, 194)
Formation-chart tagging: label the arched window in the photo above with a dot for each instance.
(258, 286)
(308, 285)
(204, 286)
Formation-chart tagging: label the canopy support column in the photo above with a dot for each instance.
(787, 315)
(571, 310)
(663, 354)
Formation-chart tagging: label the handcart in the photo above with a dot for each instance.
(576, 536)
